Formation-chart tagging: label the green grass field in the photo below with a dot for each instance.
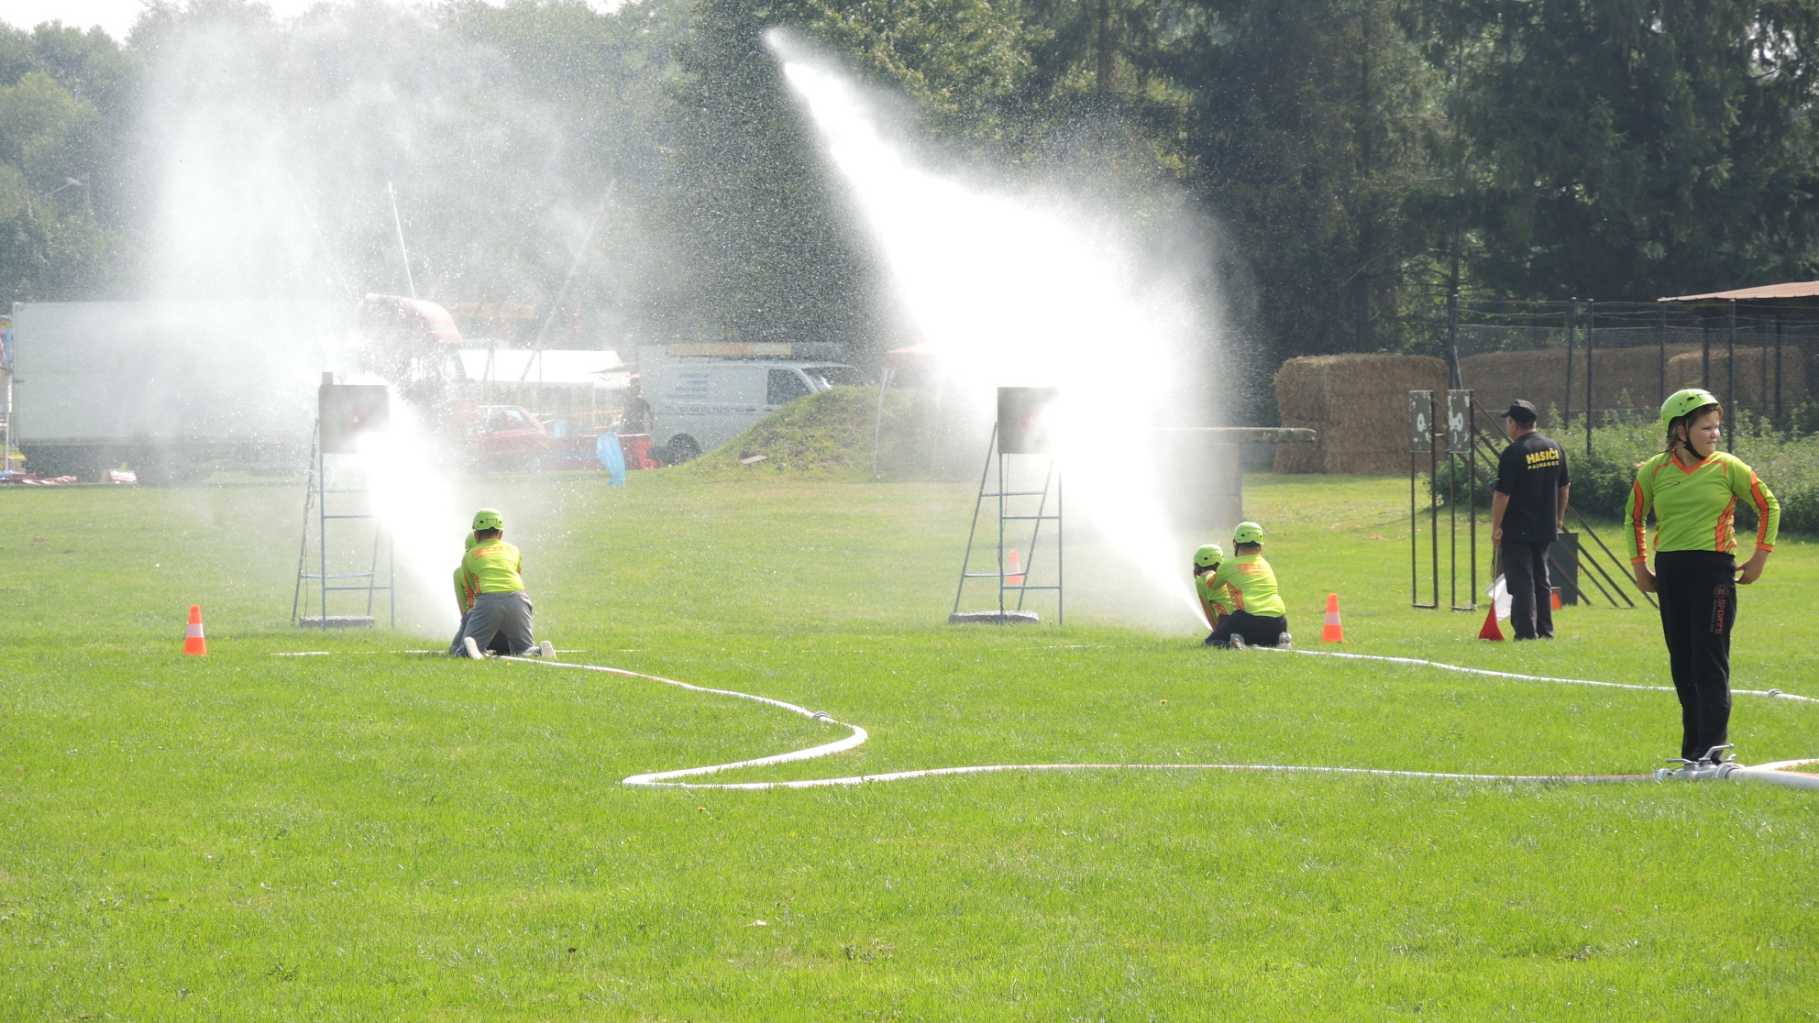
(379, 835)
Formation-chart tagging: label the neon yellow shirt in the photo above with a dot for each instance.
(493, 566)
(464, 597)
(1214, 603)
(1252, 583)
(1695, 505)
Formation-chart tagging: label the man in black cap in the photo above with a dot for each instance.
(1527, 511)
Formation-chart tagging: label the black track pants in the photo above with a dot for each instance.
(1698, 595)
(1257, 630)
(1531, 598)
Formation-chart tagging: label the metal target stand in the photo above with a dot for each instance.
(343, 412)
(1428, 426)
(1017, 433)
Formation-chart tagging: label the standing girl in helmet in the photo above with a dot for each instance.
(1693, 490)
(1258, 616)
(1215, 604)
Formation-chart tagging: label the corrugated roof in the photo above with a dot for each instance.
(1792, 289)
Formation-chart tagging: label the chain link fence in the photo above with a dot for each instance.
(1595, 363)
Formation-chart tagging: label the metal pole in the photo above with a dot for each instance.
(1705, 353)
(1572, 328)
(1778, 409)
(1661, 358)
(1452, 527)
(402, 251)
(1048, 477)
(1060, 581)
(972, 532)
(1730, 377)
(1591, 421)
(372, 571)
(1414, 586)
(1001, 536)
(309, 495)
(1433, 500)
(1471, 459)
(322, 531)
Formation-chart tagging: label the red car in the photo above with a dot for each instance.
(508, 437)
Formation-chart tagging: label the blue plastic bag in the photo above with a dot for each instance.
(612, 457)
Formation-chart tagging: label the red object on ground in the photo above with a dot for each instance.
(194, 645)
(1331, 631)
(1490, 630)
(637, 448)
(1013, 576)
(1554, 597)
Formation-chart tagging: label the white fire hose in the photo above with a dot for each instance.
(1776, 773)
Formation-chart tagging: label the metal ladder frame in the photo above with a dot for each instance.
(315, 495)
(1051, 480)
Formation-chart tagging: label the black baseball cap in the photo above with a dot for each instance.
(1521, 410)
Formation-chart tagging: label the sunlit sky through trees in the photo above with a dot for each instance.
(116, 17)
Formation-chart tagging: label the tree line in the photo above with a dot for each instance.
(1361, 161)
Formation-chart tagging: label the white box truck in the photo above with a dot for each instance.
(702, 396)
(172, 390)
(177, 390)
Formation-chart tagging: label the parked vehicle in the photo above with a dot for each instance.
(699, 404)
(509, 437)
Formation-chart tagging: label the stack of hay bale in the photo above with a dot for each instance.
(1359, 406)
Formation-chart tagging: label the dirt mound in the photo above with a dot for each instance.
(828, 436)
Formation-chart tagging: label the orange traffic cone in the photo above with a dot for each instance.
(1553, 597)
(1013, 576)
(1490, 630)
(193, 643)
(1332, 631)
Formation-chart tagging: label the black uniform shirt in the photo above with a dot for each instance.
(1531, 471)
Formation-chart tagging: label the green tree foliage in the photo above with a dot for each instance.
(646, 173)
(1643, 147)
(1307, 132)
(63, 102)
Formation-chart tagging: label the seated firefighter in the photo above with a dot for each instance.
(1214, 604)
(501, 609)
(1258, 616)
(464, 603)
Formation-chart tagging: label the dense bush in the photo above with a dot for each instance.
(1788, 463)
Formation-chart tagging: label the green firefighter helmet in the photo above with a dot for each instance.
(1208, 556)
(488, 518)
(1247, 532)
(1686, 400)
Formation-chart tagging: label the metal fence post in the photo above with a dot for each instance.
(1705, 353)
(1572, 326)
(1591, 422)
(1730, 377)
(1780, 413)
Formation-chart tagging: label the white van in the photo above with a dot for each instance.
(699, 404)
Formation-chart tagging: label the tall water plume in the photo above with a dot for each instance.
(272, 149)
(1027, 286)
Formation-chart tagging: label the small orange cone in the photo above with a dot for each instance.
(1013, 576)
(1490, 630)
(1554, 597)
(193, 643)
(1332, 631)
